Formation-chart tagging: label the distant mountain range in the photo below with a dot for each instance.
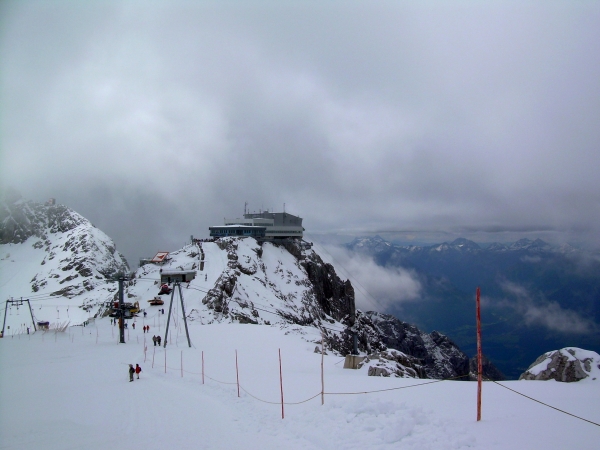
(536, 297)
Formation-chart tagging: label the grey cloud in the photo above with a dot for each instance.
(376, 287)
(360, 117)
(539, 311)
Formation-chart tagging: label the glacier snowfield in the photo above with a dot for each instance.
(71, 390)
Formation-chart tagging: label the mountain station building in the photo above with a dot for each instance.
(264, 225)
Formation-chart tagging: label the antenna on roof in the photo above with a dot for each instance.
(245, 207)
(284, 207)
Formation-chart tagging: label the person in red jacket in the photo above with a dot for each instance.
(138, 369)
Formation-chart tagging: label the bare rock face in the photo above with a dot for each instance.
(567, 365)
(490, 371)
(427, 355)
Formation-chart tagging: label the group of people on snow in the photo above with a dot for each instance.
(156, 340)
(137, 369)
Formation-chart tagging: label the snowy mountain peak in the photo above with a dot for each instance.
(465, 244)
(58, 251)
(528, 244)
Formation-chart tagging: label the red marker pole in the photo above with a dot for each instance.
(479, 356)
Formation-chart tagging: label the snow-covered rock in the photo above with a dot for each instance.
(394, 363)
(568, 364)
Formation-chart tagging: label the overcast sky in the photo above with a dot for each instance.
(435, 119)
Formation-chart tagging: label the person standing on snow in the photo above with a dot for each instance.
(138, 369)
(131, 372)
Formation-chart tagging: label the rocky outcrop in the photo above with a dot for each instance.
(567, 365)
(334, 296)
(429, 355)
(397, 348)
(490, 372)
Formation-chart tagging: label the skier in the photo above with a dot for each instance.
(138, 369)
(131, 372)
(133, 325)
(154, 340)
(158, 339)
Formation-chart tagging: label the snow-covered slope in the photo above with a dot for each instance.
(71, 391)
